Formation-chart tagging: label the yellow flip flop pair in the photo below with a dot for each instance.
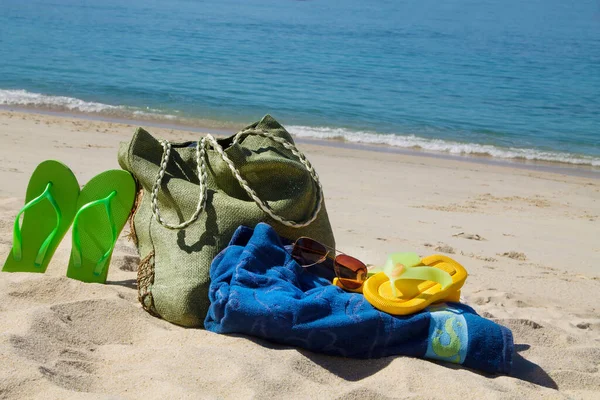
(407, 284)
(53, 203)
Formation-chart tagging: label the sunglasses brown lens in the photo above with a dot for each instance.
(350, 272)
(308, 252)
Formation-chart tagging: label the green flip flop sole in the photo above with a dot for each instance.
(103, 207)
(50, 206)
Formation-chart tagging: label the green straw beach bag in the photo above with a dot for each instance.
(193, 196)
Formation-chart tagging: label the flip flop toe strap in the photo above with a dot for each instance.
(17, 237)
(77, 255)
(407, 266)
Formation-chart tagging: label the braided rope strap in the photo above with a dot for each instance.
(201, 169)
(202, 176)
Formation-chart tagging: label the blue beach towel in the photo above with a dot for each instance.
(258, 289)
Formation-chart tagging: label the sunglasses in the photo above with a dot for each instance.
(350, 272)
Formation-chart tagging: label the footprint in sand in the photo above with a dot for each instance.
(501, 299)
(444, 248)
(515, 255)
(470, 236)
(62, 339)
(479, 257)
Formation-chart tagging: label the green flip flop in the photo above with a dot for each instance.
(50, 206)
(104, 206)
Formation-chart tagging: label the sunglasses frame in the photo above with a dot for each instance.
(336, 264)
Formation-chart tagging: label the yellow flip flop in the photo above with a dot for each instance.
(410, 284)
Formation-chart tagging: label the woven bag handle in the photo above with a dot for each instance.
(201, 147)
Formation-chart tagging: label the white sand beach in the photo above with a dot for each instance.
(529, 239)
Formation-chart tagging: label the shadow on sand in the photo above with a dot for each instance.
(351, 369)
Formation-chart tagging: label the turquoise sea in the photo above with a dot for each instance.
(517, 79)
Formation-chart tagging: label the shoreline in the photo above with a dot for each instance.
(585, 171)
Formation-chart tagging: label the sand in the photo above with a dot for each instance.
(529, 239)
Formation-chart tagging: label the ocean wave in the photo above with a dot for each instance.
(441, 146)
(28, 99)
(23, 98)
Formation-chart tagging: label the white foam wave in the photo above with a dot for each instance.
(438, 145)
(28, 99)
(154, 114)
(24, 98)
